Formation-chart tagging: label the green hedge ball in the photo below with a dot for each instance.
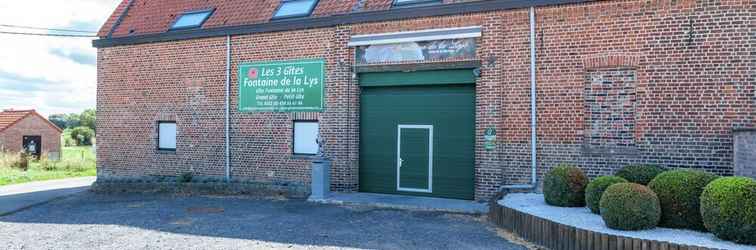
(679, 193)
(564, 186)
(641, 174)
(728, 208)
(630, 206)
(596, 188)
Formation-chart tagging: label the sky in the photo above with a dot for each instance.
(50, 74)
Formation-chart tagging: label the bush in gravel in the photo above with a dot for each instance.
(641, 174)
(630, 206)
(564, 186)
(728, 208)
(596, 188)
(679, 193)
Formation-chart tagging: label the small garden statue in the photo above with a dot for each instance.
(321, 150)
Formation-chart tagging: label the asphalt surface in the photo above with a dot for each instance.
(95, 221)
(20, 196)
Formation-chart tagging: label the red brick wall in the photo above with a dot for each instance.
(11, 139)
(691, 89)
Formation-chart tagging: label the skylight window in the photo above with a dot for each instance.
(191, 19)
(295, 8)
(402, 3)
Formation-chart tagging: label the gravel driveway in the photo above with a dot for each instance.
(95, 221)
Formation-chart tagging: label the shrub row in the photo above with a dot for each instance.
(675, 199)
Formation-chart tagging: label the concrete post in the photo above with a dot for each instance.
(321, 182)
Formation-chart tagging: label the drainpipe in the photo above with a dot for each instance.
(533, 109)
(228, 108)
(533, 137)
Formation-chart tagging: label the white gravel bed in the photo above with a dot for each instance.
(584, 219)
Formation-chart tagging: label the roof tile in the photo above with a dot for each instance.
(9, 117)
(155, 16)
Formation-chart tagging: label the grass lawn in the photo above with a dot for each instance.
(75, 162)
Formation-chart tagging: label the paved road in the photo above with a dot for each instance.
(94, 221)
(19, 196)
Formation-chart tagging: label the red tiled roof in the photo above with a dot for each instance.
(150, 16)
(9, 117)
(112, 19)
(155, 16)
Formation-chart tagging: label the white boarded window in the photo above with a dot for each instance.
(167, 135)
(305, 136)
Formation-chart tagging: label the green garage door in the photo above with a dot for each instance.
(417, 137)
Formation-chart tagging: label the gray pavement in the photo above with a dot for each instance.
(16, 197)
(406, 202)
(138, 221)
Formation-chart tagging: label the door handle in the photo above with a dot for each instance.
(401, 162)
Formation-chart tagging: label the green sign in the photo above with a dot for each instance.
(490, 137)
(282, 86)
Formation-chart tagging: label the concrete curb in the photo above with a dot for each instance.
(430, 205)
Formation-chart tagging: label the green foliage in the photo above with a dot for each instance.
(728, 208)
(630, 206)
(564, 186)
(82, 135)
(88, 118)
(596, 188)
(75, 162)
(73, 120)
(641, 174)
(679, 193)
(68, 141)
(58, 119)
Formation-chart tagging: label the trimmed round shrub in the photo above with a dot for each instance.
(630, 206)
(641, 174)
(679, 193)
(564, 186)
(728, 207)
(596, 188)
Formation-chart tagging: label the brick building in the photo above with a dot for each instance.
(27, 130)
(197, 86)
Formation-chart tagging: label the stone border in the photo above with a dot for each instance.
(210, 188)
(558, 236)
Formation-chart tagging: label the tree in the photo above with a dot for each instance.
(82, 135)
(73, 120)
(88, 118)
(58, 119)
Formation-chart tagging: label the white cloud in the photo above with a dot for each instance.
(67, 84)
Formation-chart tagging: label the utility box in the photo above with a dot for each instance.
(321, 181)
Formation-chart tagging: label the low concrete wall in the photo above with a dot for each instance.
(745, 152)
(553, 235)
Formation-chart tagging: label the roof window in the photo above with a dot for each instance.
(405, 3)
(295, 8)
(191, 19)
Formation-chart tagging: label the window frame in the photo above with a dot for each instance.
(294, 136)
(209, 11)
(306, 14)
(412, 3)
(157, 146)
